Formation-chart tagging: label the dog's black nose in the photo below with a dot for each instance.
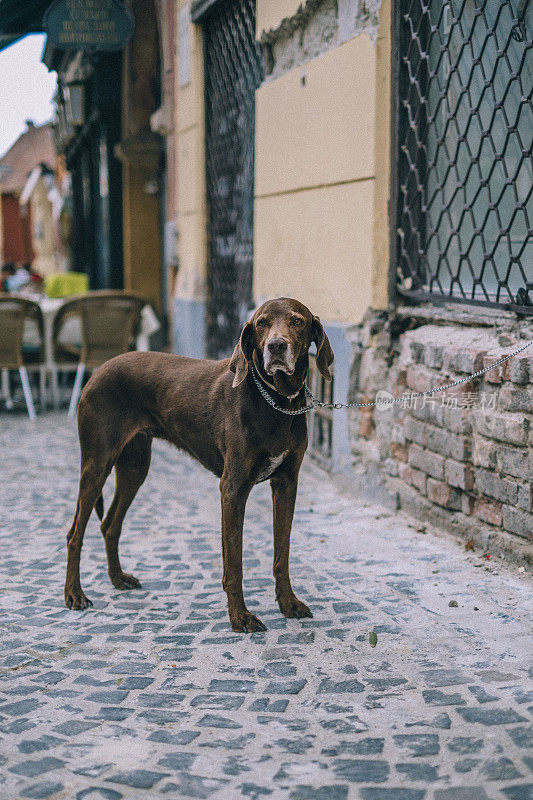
(277, 346)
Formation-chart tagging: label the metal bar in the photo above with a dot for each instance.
(462, 168)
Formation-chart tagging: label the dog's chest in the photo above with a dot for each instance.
(272, 466)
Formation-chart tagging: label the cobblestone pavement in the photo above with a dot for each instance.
(150, 693)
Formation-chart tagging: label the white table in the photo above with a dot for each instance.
(71, 334)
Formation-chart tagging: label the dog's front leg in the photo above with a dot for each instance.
(284, 486)
(234, 496)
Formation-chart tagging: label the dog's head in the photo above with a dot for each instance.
(280, 333)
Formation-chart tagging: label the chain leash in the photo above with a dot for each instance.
(319, 404)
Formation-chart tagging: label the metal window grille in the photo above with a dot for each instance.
(233, 71)
(320, 420)
(465, 129)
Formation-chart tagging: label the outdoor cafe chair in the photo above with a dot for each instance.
(109, 323)
(14, 355)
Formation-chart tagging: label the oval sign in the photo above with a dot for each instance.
(88, 24)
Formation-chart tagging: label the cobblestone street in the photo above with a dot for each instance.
(150, 692)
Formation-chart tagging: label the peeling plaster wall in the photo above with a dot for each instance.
(317, 26)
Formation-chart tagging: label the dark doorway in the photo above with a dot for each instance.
(233, 71)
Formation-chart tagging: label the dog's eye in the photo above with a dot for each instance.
(297, 321)
(261, 323)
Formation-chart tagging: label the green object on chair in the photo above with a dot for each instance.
(65, 284)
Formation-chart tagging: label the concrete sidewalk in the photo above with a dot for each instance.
(150, 692)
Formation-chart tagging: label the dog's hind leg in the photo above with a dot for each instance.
(93, 477)
(131, 468)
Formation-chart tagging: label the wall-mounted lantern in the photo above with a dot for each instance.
(74, 94)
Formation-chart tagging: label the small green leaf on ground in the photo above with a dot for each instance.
(373, 638)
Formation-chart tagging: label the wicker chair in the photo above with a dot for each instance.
(109, 323)
(14, 311)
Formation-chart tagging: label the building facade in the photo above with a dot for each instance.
(373, 159)
(28, 229)
(392, 190)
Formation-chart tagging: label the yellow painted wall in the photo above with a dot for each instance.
(270, 13)
(190, 197)
(314, 186)
(316, 245)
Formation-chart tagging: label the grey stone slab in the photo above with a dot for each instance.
(30, 769)
(418, 744)
(519, 792)
(461, 793)
(170, 737)
(285, 687)
(307, 792)
(216, 721)
(73, 727)
(434, 697)
(138, 778)
(361, 770)
(42, 790)
(490, 716)
(395, 793)
(328, 686)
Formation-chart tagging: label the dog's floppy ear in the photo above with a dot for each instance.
(324, 353)
(242, 354)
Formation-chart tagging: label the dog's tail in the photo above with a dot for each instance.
(99, 508)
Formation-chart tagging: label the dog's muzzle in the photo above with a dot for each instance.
(278, 357)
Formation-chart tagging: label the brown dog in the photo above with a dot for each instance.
(214, 411)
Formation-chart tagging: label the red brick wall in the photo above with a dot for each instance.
(16, 231)
(468, 451)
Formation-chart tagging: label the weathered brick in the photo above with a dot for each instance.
(433, 355)
(494, 375)
(432, 463)
(491, 484)
(514, 399)
(467, 504)
(417, 352)
(488, 510)
(398, 434)
(484, 453)
(469, 359)
(420, 379)
(457, 419)
(399, 451)
(427, 410)
(519, 522)
(509, 428)
(525, 496)
(452, 445)
(515, 462)
(413, 477)
(415, 431)
(458, 358)
(391, 467)
(459, 475)
(366, 421)
(401, 380)
(516, 370)
(444, 495)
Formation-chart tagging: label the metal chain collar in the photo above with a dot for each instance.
(319, 404)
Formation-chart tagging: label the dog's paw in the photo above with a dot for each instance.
(292, 607)
(125, 581)
(244, 622)
(76, 600)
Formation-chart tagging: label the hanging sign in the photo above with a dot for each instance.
(88, 24)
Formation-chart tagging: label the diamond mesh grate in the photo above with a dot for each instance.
(233, 71)
(465, 152)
